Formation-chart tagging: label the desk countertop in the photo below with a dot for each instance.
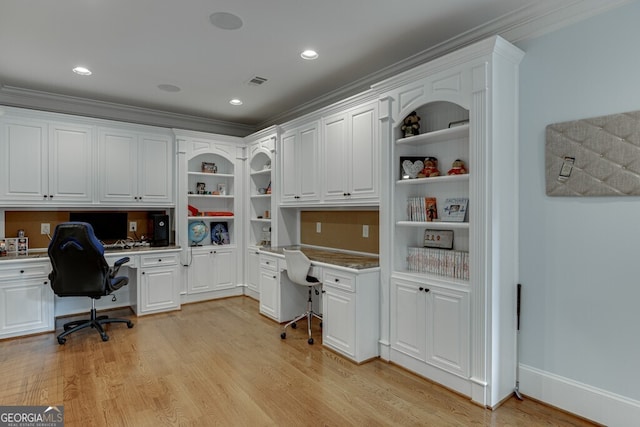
(331, 257)
(42, 253)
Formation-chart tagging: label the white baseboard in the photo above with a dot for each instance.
(578, 398)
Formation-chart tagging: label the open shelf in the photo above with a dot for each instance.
(436, 136)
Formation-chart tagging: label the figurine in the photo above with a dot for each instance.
(411, 125)
(457, 168)
(430, 168)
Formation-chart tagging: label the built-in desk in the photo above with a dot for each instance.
(350, 297)
(28, 304)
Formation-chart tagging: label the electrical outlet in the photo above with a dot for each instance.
(365, 231)
(45, 228)
(133, 226)
(318, 227)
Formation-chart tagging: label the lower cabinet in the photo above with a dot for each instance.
(211, 274)
(253, 273)
(430, 324)
(26, 298)
(350, 307)
(280, 299)
(158, 289)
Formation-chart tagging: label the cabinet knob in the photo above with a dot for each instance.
(159, 259)
(45, 196)
(426, 289)
(421, 289)
(143, 272)
(257, 253)
(337, 280)
(51, 196)
(274, 277)
(45, 282)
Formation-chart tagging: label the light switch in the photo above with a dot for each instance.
(318, 227)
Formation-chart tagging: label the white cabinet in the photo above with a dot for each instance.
(135, 167)
(431, 324)
(280, 299)
(212, 273)
(350, 310)
(253, 273)
(451, 333)
(26, 298)
(299, 165)
(158, 288)
(351, 156)
(261, 208)
(46, 162)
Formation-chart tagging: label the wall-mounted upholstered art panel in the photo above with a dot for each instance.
(594, 157)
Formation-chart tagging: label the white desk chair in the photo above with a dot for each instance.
(298, 266)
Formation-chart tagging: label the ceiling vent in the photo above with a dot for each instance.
(256, 81)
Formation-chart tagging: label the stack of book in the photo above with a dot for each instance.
(453, 264)
(422, 209)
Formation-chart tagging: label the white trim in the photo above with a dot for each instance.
(582, 399)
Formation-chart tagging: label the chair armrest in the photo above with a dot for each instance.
(117, 265)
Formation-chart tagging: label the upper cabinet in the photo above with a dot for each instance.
(135, 168)
(350, 156)
(45, 162)
(299, 165)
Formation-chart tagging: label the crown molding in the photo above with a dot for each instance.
(530, 21)
(52, 102)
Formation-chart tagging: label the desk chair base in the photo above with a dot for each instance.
(94, 322)
(309, 314)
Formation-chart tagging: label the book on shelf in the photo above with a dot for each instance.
(422, 209)
(441, 262)
(455, 209)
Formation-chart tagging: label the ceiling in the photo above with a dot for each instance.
(132, 47)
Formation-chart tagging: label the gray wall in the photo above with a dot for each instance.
(580, 257)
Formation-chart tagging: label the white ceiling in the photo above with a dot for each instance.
(132, 46)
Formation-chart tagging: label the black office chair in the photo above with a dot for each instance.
(79, 269)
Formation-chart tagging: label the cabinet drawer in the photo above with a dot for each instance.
(16, 271)
(270, 263)
(340, 280)
(159, 259)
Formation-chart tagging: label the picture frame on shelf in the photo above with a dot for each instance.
(411, 166)
(458, 123)
(222, 189)
(455, 209)
(220, 233)
(442, 239)
(209, 167)
(201, 188)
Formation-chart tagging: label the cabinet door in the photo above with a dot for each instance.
(253, 270)
(408, 318)
(155, 179)
(224, 269)
(308, 163)
(24, 168)
(71, 163)
(118, 166)
(26, 306)
(335, 158)
(269, 293)
(200, 272)
(448, 330)
(289, 185)
(159, 289)
(363, 168)
(339, 320)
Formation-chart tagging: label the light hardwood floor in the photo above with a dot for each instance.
(222, 363)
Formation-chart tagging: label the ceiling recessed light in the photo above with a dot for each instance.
(169, 88)
(225, 21)
(309, 54)
(235, 102)
(83, 71)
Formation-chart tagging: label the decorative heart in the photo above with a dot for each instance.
(412, 168)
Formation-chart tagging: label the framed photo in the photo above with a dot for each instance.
(458, 123)
(410, 167)
(209, 167)
(220, 233)
(201, 188)
(442, 239)
(455, 210)
(222, 189)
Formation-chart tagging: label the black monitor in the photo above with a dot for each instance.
(107, 226)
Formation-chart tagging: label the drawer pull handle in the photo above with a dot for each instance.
(160, 260)
(21, 271)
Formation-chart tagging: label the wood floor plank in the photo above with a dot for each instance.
(222, 363)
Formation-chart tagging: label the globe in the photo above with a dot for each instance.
(198, 231)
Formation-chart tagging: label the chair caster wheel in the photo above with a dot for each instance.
(105, 337)
(61, 341)
(129, 324)
(294, 325)
(310, 340)
(283, 335)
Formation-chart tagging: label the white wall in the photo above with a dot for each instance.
(580, 257)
